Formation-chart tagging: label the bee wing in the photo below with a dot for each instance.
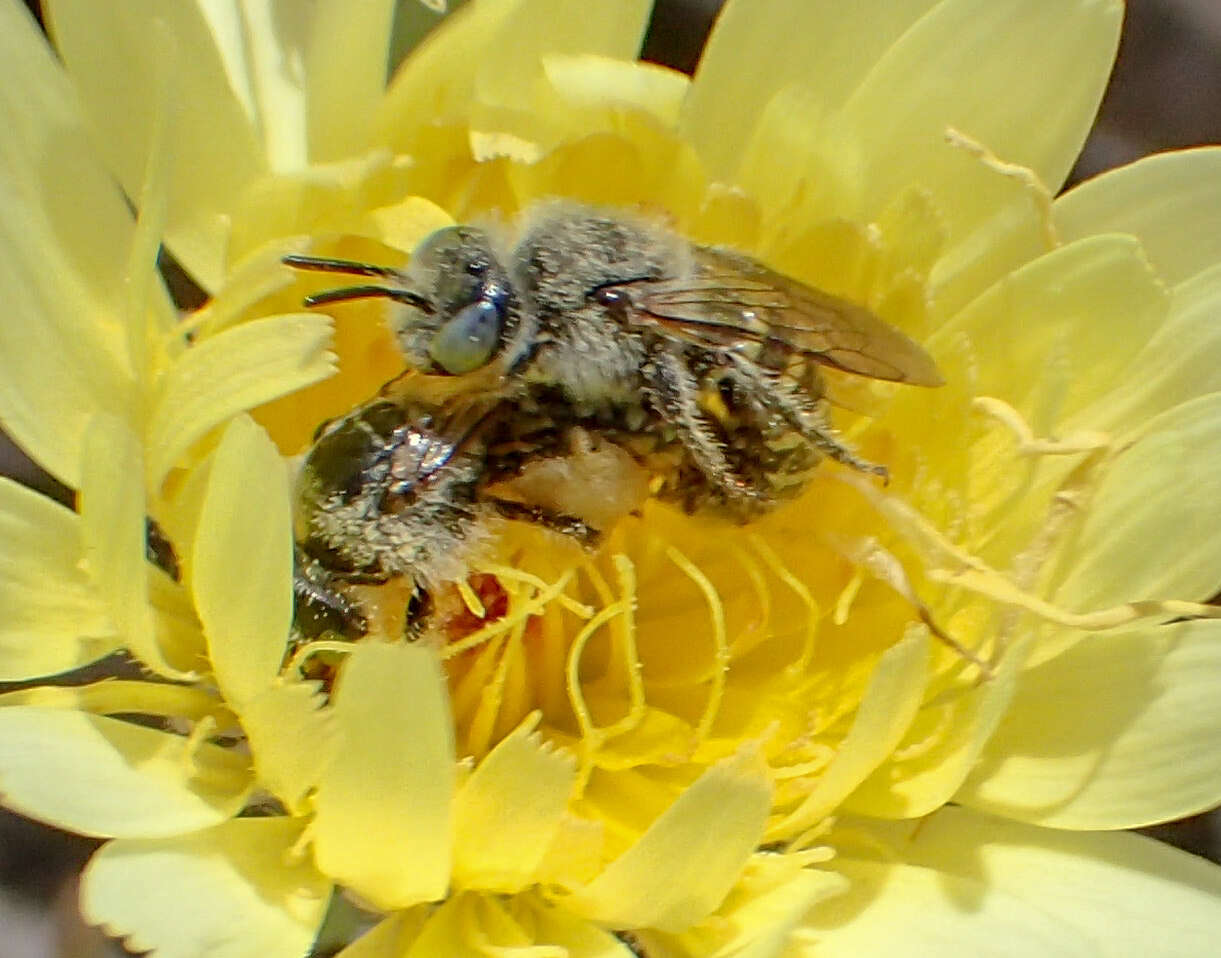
(730, 298)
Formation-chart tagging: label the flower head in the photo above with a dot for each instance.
(700, 738)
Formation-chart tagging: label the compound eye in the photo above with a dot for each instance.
(468, 340)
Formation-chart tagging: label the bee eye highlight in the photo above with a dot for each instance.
(468, 341)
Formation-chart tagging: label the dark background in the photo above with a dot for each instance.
(1165, 93)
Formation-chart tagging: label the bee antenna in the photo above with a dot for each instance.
(322, 264)
(370, 292)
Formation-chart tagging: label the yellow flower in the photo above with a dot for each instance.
(880, 719)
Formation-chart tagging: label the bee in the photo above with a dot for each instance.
(698, 360)
(697, 366)
(386, 491)
(407, 492)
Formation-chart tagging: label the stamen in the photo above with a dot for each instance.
(466, 694)
(920, 533)
(591, 735)
(1035, 187)
(311, 649)
(1028, 445)
(823, 756)
(950, 565)
(847, 595)
(763, 596)
(508, 573)
(628, 659)
(884, 566)
(785, 575)
(483, 724)
(517, 613)
(626, 573)
(995, 586)
(716, 611)
(470, 600)
(199, 735)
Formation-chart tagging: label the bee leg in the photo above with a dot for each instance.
(578, 529)
(419, 608)
(674, 390)
(319, 607)
(789, 402)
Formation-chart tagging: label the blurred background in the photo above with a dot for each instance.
(1165, 93)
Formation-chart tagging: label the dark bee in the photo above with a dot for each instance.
(400, 491)
(384, 492)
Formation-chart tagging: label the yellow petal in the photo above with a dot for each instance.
(1179, 363)
(113, 532)
(574, 856)
(1118, 731)
(1144, 534)
(292, 739)
(645, 167)
(128, 697)
(227, 892)
(60, 355)
(756, 50)
(492, 52)
(389, 938)
(920, 777)
(1016, 229)
(589, 81)
(561, 929)
(50, 164)
(403, 225)
(758, 917)
(1071, 320)
(383, 820)
(508, 812)
(100, 776)
(243, 561)
(931, 914)
(64, 239)
(478, 926)
(887, 708)
(64, 245)
(1022, 77)
(687, 860)
(54, 620)
(345, 73)
(1171, 202)
(1104, 894)
(116, 55)
(229, 373)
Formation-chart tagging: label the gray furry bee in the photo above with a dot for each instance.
(700, 362)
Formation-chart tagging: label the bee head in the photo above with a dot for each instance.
(458, 299)
(469, 290)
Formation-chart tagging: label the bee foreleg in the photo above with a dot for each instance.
(318, 606)
(784, 399)
(674, 390)
(578, 529)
